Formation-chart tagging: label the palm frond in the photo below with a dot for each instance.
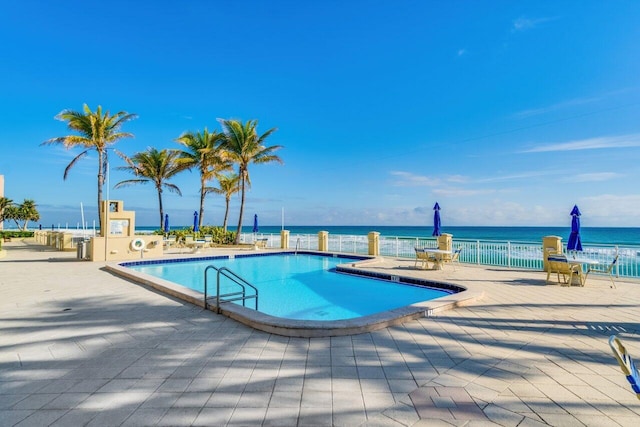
(73, 162)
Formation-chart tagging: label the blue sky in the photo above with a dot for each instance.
(506, 113)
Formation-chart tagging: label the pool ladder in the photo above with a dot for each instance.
(297, 245)
(232, 296)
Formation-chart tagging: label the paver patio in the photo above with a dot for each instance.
(79, 346)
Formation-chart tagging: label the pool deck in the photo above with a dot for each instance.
(80, 346)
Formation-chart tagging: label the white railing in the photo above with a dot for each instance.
(524, 255)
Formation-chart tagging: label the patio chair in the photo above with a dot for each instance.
(169, 241)
(606, 270)
(559, 265)
(455, 258)
(626, 363)
(422, 257)
(261, 243)
(208, 240)
(189, 241)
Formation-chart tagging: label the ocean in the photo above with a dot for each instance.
(589, 235)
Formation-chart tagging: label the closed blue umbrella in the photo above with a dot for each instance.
(166, 223)
(436, 220)
(255, 223)
(195, 222)
(574, 243)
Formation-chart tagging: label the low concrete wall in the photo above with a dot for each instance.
(123, 248)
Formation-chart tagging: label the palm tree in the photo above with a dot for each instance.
(244, 147)
(156, 167)
(229, 185)
(28, 212)
(96, 131)
(4, 203)
(205, 153)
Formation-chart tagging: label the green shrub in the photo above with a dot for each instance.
(219, 236)
(15, 233)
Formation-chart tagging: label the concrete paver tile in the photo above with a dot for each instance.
(12, 417)
(7, 401)
(160, 400)
(247, 416)
(34, 401)
(66, 401)
(192, 400)
(310, 416)
(42, 417)
(381, 420)
(76, 417)
(561, 420)
(316, 399)
(145, 417)
(111, 417)
(502, 416)
(348, 418)
(402, 386)
(285, 399)
(281, 416)
(254, 399)
(403, 413)
(213, 417)
(179, 417)
(223, 399)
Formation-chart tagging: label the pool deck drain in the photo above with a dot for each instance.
(526, 354)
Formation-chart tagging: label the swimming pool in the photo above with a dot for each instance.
(298, 286)
(188, 284)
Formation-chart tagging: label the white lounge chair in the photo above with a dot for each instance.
(606, 270)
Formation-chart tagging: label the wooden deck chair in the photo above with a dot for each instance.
(626, 363)
(607, 270)
(261, 243)
(558, 264)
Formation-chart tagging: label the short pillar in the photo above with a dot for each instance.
(550, 245)
(323, 241)
(445, 242)
(284, 239)
(374, 243)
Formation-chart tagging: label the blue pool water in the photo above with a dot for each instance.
(301, 286)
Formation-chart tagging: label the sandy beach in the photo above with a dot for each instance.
(80, 346)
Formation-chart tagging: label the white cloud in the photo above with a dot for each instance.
(408, 179)
(559, 106)
(622, 141)
(461, 192)
(523, 175)
(462, 52)
(611, 210)
(524, 24)
(594, 177)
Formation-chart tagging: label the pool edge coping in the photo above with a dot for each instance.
(312, 328)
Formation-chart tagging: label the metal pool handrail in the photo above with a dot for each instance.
(224, 271)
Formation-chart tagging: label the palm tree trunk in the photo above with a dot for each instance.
(161, 209)
(202, 195)
(239, 230)
(101, 162)
(226, 214)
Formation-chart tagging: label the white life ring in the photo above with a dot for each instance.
(137, 244)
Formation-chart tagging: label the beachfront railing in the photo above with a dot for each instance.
(523, 255)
